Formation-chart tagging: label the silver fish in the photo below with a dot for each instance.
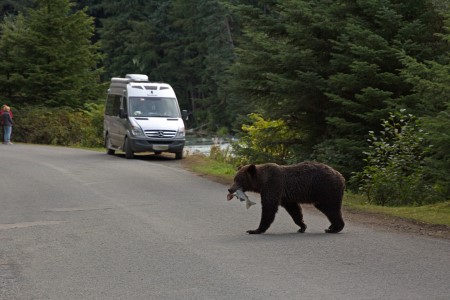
(243, 197)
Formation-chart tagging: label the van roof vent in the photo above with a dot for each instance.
(151, 87)
(137, 77)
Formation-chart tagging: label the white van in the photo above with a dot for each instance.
(143, 116)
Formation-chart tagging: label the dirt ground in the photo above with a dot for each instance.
(377, 221)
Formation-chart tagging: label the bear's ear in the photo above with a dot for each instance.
(251, 169)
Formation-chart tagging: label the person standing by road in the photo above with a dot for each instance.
(10, 111)
(7, 125)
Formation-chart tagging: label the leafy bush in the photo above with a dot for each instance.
(394, 174)
(221, 155)
(60, 126)
(266, 141)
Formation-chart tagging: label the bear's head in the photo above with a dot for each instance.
(245, 179)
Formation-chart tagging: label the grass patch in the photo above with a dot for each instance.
(206, 166)
(438, 213)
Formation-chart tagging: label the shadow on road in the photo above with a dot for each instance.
(151, 157)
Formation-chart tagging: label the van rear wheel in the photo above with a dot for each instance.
(128, 152)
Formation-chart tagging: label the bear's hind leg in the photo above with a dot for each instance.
(334, 216)
(295, 211)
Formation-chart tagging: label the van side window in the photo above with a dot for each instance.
(123, 105)
(112, 105)
(116, 105)
(109, 108)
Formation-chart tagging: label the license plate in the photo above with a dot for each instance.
(160, 147)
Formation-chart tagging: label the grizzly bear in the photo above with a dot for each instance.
(288, 186)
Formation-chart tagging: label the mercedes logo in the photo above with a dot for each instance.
(160, 133)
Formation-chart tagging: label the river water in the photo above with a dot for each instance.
(202, 145)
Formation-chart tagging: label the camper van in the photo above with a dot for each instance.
(143, 116)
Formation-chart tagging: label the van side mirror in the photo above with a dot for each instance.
(185, 115)
(122, 113)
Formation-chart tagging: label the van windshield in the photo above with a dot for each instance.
(154, 107)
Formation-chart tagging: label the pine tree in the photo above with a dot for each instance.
(196, 54)
(116, 34)
(431, 86)
(55, 61)
(283, 62)
(217, 27)
(366, 83)
(94, 9)
(147, 38)
(11, 52)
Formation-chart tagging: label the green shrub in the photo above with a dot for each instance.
(59, 126)
(222, 132)
(221, 155)
(394, 174)
(266, 141)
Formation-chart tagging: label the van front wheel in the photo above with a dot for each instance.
(128, 152)
(178, 155)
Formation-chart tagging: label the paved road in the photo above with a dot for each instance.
(77, 224)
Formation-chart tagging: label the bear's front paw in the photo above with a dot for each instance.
(257, 231)
(302, 230)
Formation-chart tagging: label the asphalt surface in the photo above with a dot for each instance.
(78, 224)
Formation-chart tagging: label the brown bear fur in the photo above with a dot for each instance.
(288, 186)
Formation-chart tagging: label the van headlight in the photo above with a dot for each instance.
(181, 132)
(136, 130)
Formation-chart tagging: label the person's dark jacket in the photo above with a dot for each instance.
(6, 119)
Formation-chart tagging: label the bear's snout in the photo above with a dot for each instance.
(234, 187)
